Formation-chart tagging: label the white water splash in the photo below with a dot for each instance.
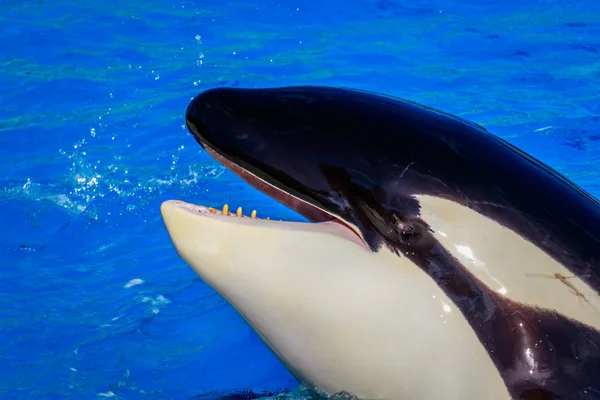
(133, 282)
(159, 300)
(97, 176)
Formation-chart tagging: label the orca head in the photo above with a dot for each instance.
(325, 152)
(503, 245)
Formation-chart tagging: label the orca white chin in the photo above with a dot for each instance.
(339, 316)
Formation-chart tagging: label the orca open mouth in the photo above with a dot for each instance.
(311, 212)
(231, 137)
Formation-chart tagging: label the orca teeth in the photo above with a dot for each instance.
(238, 212)
(223, 211)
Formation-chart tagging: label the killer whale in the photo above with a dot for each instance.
(442, 262)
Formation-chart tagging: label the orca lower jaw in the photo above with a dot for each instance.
(311, 212)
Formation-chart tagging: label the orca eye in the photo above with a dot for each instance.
(403, 227)
(406, 229)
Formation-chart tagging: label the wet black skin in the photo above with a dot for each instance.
(363, 156)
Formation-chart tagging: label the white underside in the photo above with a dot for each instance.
(341, 318)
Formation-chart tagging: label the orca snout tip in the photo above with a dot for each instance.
(167, 206)
(206, 109)
(196, 120)
(195, 106)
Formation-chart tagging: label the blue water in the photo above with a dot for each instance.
(94, 301)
